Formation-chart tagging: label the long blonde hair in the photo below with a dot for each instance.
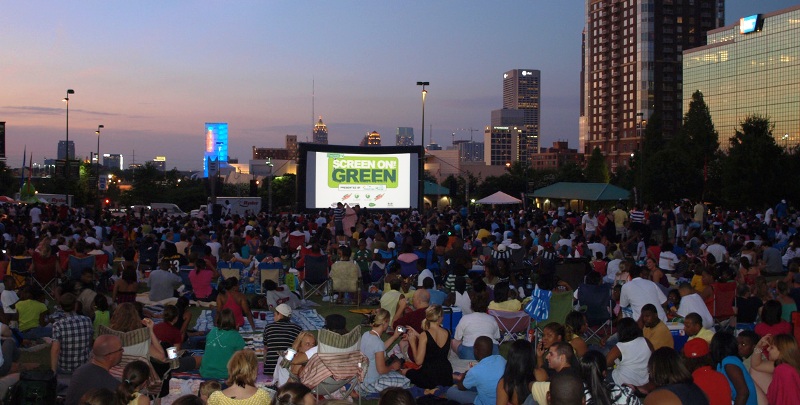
(242, 368)
(299, 340)
(433, 315)
(787, 345)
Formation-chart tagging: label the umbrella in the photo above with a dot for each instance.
(6, 199)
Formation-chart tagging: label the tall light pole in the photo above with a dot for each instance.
(66, 148)
(786, 141)
(422, 142)
(639, 124)
(97, 173)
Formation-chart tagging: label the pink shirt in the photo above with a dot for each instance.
(201, 282)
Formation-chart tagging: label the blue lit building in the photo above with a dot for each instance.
(216, 145)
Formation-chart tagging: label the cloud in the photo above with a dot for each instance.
(34, 110)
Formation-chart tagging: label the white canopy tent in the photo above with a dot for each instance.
(499, 198)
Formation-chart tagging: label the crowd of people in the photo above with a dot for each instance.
(71, 285)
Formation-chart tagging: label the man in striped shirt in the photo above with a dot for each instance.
(278, 336)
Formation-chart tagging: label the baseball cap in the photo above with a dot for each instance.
(284, 310)
(695, 348)
(501, 248)
(392, 245)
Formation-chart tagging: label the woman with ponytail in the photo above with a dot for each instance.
(134, 378)
(596, 390)
(430, 352)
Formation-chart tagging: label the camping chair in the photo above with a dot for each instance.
(137, 337)
(722, 305)
(377, 272)
(326, 373)
(513, 325)
(598, 310)
(572, 271)
(18, 267)
(233, 269)
(315, 276)
(332, 342)
(296, 241)
(346, 278)
(796, 325)
(518, 260)
(560, 306)
(183, 272)
(268, 271)
(408, 269)
(63, 259)
(78, 264)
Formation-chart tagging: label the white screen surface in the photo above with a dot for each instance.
(369, 180)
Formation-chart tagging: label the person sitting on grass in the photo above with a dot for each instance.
(479, 384)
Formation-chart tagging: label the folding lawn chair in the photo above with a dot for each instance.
(327, 373)
(560, 306)
(234, 269)
(598, 305)
(268, 271)
(315, 276)
(513, 325)
(19, 269)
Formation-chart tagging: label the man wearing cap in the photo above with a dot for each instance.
(713, 383)
(278, 336)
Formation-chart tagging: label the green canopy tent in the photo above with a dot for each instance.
(576, 194)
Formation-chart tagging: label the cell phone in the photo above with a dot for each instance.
(401, 329)
(290, 354)
(172, 353)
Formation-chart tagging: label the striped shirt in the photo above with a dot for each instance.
(637, 216)
(278, 336)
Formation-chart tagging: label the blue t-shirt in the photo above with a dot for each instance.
(371, 344)
(753, 398)
(484, 377)
(437, 297)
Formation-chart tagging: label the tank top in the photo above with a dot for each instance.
(687, 393)
(234, 306)
(632, 369)
(464, 302)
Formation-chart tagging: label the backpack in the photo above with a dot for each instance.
(34, 388)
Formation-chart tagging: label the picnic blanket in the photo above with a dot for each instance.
(308, 319)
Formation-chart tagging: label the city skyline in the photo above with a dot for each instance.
(154, 73)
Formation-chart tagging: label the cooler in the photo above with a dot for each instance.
(452, 315)
(678, 335)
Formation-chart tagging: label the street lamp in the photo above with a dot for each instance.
(422, 142)
(97, 170)
(640, 122)
(66, 148)
(786, 141)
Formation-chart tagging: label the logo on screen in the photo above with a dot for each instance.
(362, 170)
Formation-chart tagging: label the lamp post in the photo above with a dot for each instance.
(269, 184)
(786, 141)
(639, 124)
(97, 171)
(422, 142)
(66, 149)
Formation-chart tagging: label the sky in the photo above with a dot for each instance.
(153, 72)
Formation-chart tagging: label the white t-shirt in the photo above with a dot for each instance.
(590, 223)
(694, 303)
(9, 298)
(718, 251)
(667, 260)
(640, 292)
(475, 325)
(612, 268)
(214, 245)
(423, 275)
(36, 218)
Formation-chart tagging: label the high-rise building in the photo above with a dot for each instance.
(371, 139)
(216, 145)
(503, 144)
(404, 136)
(522, 91)
(632, 67)
(160, 163)
(555, 157)
(750, 67)
(62, 150)
(291, 146)
(469, 151)
(112, 161)
(2, 140)
(320, 132)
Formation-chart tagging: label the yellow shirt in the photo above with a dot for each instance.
(29, 311)
(659, 336)
(508, 305)
(704, 334)
(697, 283)
(259, 398)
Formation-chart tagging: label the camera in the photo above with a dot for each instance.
(290, 354)
(401, 329)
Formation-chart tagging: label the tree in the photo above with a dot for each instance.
(752, 172)
(700, 142)
(596, 169)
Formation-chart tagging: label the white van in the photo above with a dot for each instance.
(171, 209)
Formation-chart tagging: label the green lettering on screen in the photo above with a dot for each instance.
(363, 170)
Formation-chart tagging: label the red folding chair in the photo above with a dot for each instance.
(722, 305)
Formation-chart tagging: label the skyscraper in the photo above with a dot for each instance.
(500, 145)
(632, 68)
(62, 150)
(216, 145)
(320, 132)
(405, 136)
(750, 67)
(371, 139)
(112, 161)
(522, 91)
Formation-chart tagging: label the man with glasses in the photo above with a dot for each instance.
(106, 353)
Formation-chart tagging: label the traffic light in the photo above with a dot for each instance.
(106, 202)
